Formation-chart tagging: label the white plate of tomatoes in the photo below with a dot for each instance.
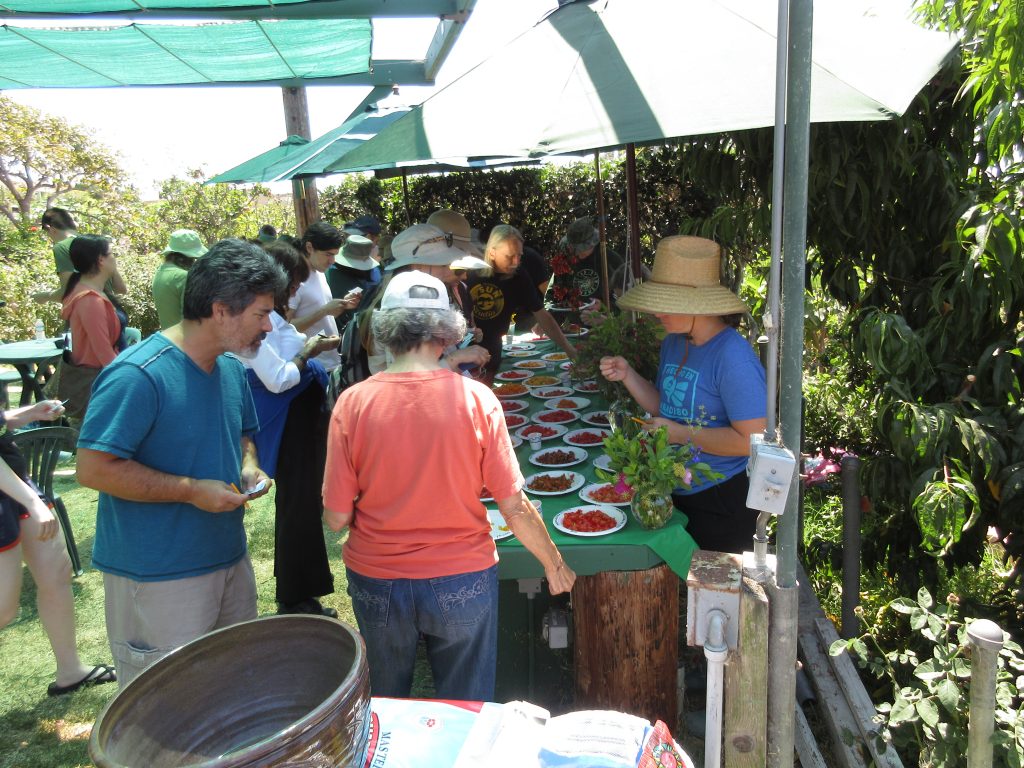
(560, 416)
(605, 493)
(590, 520)
(545, 431)
(514, 420)
(587, 438)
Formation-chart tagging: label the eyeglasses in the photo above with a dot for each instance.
(448, 238)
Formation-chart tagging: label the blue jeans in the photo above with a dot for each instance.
(457, 616)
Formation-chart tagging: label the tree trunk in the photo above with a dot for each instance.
(626, 628)
(304, 193)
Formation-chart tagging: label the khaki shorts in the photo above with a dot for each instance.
(146, 620)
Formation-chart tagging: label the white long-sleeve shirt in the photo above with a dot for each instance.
(273, 362)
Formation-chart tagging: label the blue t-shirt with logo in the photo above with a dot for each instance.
(711, 384)
(155, 406)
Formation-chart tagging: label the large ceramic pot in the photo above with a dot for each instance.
(278, 691)
(650, 508)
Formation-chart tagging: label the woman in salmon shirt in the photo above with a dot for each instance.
(408, 452)
(95, 327)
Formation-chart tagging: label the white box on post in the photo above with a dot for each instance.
(771, 471)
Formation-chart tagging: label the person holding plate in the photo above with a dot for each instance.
(408, 452)
(710, 386)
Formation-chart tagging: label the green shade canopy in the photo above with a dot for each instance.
(252, 9)
(110, 43)
(267, 166)
(186, 54)
(297, 157)
(610, 72)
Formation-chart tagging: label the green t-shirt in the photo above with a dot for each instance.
(168, 293)
(62, 255)
(62, 259)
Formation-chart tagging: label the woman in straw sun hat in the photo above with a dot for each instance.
(710, 387)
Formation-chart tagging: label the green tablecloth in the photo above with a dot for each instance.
(631, 548)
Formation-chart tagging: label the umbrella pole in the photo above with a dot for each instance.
(782, 645)
(601, 233)
(405, 197)
(634, 211)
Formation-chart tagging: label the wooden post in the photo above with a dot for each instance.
(746, 683)
(626, 650)
(304, 193)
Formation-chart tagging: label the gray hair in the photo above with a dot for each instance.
(501, 233)
(402, 330)
(233, 273)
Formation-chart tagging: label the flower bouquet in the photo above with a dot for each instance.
(651, 467)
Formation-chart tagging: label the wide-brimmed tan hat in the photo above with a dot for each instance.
(455, 223)
(686, 280)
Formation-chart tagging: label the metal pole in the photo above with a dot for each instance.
(986, 641)
(633, 209)
(851, 545)
(602, 237)
(405, 197)
(782, 652)
(771, 320)
(770, 351)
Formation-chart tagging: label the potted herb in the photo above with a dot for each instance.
(651, 467)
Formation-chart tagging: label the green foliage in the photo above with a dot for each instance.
(541, 201)
(914, 229)
(26, 266)
(638, 341)
(926, 711)
(838, 397)
(43, 157)
(216, 211)
(648, 461)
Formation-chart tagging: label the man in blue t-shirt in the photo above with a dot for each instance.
(167, 443)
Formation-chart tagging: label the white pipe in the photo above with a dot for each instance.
(715, 650)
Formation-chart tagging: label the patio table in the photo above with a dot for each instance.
(625, 603)
(33, 360)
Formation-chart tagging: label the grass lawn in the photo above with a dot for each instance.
(37, 731)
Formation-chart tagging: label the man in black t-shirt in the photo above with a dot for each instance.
(509, 290)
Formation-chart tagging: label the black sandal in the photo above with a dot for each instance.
(100, 674)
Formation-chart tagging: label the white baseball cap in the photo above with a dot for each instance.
(415, 290)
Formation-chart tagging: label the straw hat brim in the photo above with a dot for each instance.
(669, 299)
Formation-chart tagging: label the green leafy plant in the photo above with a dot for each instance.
(647, 461)
(639, 342)
(927, 716)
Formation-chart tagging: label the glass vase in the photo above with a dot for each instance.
(651, 509)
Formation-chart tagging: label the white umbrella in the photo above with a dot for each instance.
(601, 74)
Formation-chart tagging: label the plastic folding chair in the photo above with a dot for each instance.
(42, 448)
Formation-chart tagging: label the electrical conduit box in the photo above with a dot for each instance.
(713, 583)
(771, 471)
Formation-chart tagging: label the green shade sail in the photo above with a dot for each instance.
(257, 9)
(184, 54)
(296, 157)
(602, 74)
